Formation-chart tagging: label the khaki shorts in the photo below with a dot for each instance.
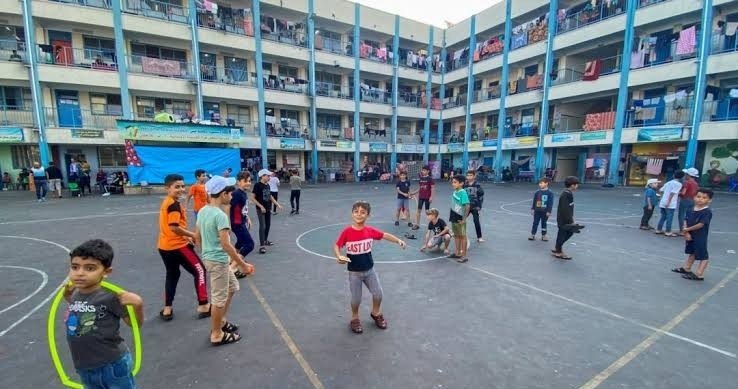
(459, 229)
(55, 184)
(222, 282)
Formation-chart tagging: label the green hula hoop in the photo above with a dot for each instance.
(50, 332)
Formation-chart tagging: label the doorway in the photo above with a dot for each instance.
(61, 42)
(67, 106)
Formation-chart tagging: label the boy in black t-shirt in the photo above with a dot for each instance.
(403, 198)
(565, 217)
(264, 202)
(541, 208)
(696, 229)
(241, 222)
(438, 233)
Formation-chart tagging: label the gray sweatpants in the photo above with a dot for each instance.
(356, 281)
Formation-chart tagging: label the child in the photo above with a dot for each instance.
(176, 249)
(403, 198)
(425, 193)
(358, 239)
(438, 233)
(197, 191)
(295, 189)
(668, 203)
(476, 198)
(264, 201)
(214, 235)
(274, 188)
(565, 217)
(240, 221)
(93, 319)
(543, 201)
(649, 201)
(460, 208)
(696, 230)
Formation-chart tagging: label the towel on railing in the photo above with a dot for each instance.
(687, 41)
(592, 70)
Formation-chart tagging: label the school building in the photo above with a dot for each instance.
(329, 86)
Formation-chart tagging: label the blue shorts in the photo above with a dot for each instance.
(117, 374)
(403, 203)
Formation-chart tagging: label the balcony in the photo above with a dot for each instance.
(588, 16)
(80, 58)
(334, 133)
(374, 95)
(240, 24)
(160, 67)
(16, 116)
(13, 50)
(722, 43)
(227, 75)
(157, 10)
(80, 118)
(105, 4)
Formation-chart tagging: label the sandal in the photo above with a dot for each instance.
(229, 327)
(204, 315)
(239, 274)
(268, 243)
(693, 277)
(564, 256)
(556, 254)
(379, 321)
(462, 259)
(262, 250)
(453, 256)
(164, 317)
(680, 270)
(228, 338)
(356, 326)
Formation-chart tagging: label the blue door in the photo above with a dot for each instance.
(67, 105)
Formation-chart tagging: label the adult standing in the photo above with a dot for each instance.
(84, 178)
(686, 196)
(74, 171)
(55, 179)
(39, 180)
(621, 172)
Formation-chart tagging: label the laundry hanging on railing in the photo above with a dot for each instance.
(687, 41)
(592, 70)
(654, 166)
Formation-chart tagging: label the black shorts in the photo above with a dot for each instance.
(423, 201)
(698, 249)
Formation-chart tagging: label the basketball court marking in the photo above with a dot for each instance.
(49, 297)
(664, 331)
(44, 281)
(303, 248)
(656, 335)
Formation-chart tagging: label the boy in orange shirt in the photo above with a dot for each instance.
(197, 191)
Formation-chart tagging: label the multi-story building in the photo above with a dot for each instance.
(333, 85)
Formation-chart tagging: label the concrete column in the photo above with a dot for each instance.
(700, 83)
(395, 92)
(469, 91)
(548, 64)
(38, 109)
(503, 91)
(260, 80)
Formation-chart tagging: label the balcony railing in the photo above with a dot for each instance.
(489, 93)
(589, 16)
(227, 75)
(671, 109)
(566, 123)
(68, 117)
(11, 115)
(720, 110)
(158, 10)
(409, 99)
(333, 90)
(12, 50)
(83, 58)
(88, 3)
(287, 132)
(376, 96)
(286, 84)
(160, 67)
(722, 43)
(455, 101)
(335, 46)
(334, 133)
(289, 37)
(606, 66)
(235, 25)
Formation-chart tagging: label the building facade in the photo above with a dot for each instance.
(585, 88)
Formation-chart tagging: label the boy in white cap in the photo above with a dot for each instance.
(213, 234)
(264, 202)
(650, 200)
(686, 196)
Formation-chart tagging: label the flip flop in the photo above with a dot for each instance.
(168, 317)
(228, 338)
(680, 270)
(204, 315)
(693, 277)
(229, 327)
(239, 274)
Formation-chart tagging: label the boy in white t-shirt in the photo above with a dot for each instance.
(669, 202)
(274, 188)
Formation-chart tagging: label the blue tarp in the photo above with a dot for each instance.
(160, 161)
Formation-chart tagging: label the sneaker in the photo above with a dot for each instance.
(416, 227)
(43, 198)
(292, 212)
(480, 240)
(297, 212)
(397, 223)
(531, 237)
(544, 238)
(39, 200)
(409, 224)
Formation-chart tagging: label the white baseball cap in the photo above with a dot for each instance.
(652, 181)
(217, 184)
(264, 172)
(692, 172)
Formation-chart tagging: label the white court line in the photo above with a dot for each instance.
(48, 298)
(97, 216)
(44, 281)
(301, 247)
(606, 312)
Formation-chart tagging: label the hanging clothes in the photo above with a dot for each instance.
(512, 87)
(476, 56)
(654, 166)
(519, 40)
(592, 70)
(687, 41)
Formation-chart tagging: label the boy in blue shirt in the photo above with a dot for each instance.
(649, 202)
(543, 201)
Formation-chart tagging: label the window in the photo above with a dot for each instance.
(15, 98)
(403, 127)
(477, 85)
(289, 119)
(373, 123)
(329, 121)
(241, 115)
(235, 69)
(147, 107)
(111, 157)
(12, 38)
(103, 47)
(531, 70)
(24, 156)
(141, 50)
(287, 71)
(105, 104)
(266, 67)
